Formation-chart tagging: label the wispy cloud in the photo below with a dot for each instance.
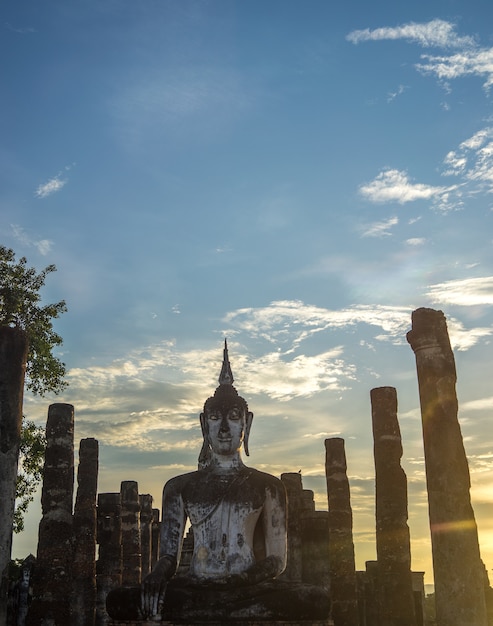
(471, 164)
(467, 292)
(398, 92)
(473, 160)
(50, 187)
(436, 33)
(470, 60)
(42, 245)
(474, 62)
(416, 241)
(393, 185)
(21, 30)
(380, 229)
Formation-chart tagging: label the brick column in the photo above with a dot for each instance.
(341, 547)
(52, 576)
(131, 546)
(145, 532)
(13, 355)
(396, 599)
(109, 564)
(83, 604)
(459, 584)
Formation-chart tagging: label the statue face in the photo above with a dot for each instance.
(225, 429)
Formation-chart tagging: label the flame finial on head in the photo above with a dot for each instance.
(226, 375)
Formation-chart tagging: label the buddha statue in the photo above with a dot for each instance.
(238, 519)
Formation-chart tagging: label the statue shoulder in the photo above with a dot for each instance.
(267, 480)
(177, 484)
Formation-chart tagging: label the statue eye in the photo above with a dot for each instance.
(214, 415)
(234, 414)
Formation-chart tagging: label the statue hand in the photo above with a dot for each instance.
(154, 587)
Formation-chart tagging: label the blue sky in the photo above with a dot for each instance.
(295, 176)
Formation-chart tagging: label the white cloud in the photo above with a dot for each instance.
(380, 229)
(477, 62)
(43, 245)
(398, 92)
(393, 185)
(466, 292)
(438, 33)
(52, 186)
(473, 161)
(416, 241)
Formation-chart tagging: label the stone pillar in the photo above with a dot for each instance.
(13, 355)
(294, 490)
(396, 599)
(131, 547)
(83, 604)
(155, 534)
(459, 587)
(52, 576)
(343, 588)
(109, 564)
(145, 532)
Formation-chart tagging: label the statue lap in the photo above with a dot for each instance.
(272, 600)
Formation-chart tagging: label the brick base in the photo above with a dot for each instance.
(239, 622)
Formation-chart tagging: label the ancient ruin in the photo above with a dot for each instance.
(459, 578)
(394, 578)
(243, 559)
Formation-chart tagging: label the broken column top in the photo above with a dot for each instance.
(429, 330)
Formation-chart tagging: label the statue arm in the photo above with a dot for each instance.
(274, 516)
(172, 530)
(275, 536)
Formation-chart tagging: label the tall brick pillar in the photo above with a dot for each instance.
(131, 545)
(341, 547)
(396, 598)
(155, 533)
(13, 355)
(109, 563)
(294, 490)
(83, 604)
(459, 584)
(145, 532)
(52, 576)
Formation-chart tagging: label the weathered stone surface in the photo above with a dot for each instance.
(145, 532)
(131, 545)
(294, 490)
(459, 585)
(238, 518)
(315, 548)
(155, 532)
(83, 602)
(341, 548)
(13, 355)
(395, 589)
(52, 576)
(109, 563)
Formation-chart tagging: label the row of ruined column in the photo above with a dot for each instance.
(459, 574)
(67, 542)
(69, 587)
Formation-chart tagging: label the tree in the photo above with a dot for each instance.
(31, 458)
(20, 307)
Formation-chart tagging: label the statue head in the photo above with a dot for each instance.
(226, 420)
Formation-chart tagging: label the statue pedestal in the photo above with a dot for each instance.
(328, 622)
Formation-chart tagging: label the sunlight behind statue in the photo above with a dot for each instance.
(238, 519)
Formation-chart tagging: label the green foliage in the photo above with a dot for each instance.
(20, 307)
(31, 458)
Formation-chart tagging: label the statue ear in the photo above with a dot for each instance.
(203, 426)
(246, 434)
(205, 452)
